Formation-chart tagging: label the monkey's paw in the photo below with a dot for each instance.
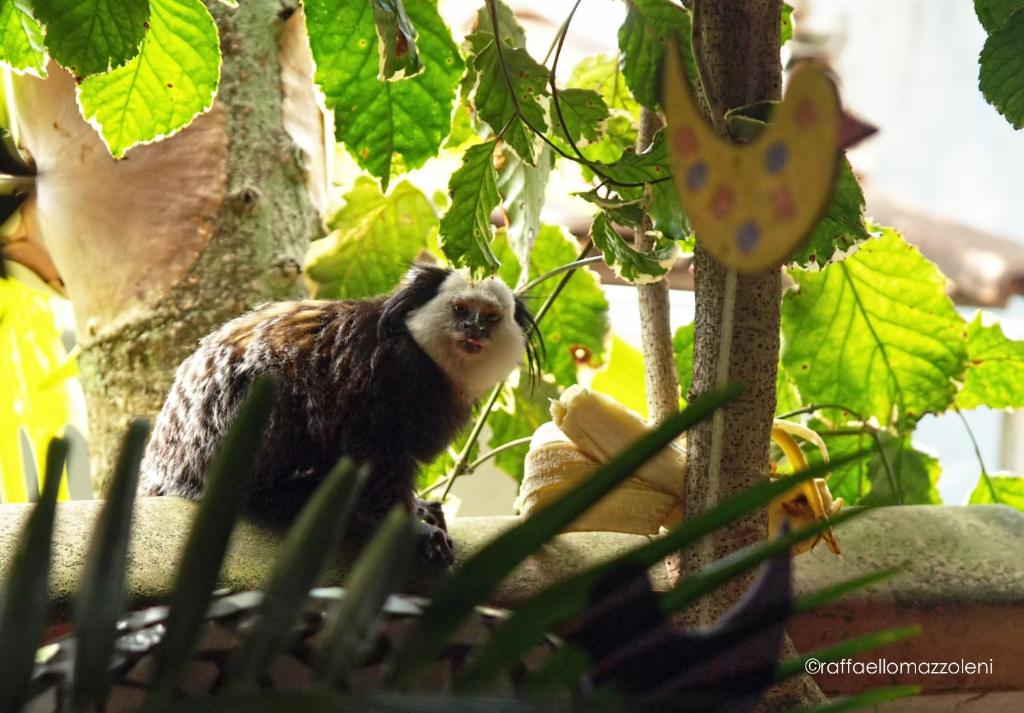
(434, 544)
(430, 512)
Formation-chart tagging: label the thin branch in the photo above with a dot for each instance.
(525, 440)
(977, 453)
(820, 407)
(557, 271)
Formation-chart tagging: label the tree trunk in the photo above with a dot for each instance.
(160, 248)
(737, 44)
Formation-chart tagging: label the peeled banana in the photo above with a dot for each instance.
(589, 428)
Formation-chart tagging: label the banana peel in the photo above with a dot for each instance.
(589, 428)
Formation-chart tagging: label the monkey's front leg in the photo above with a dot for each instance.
(435, 543)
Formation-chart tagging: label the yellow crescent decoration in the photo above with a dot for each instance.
(752, 205)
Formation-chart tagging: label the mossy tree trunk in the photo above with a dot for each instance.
(160, 248)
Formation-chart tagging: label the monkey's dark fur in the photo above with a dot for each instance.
(353, 380)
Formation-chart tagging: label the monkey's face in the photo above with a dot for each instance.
(473, 318)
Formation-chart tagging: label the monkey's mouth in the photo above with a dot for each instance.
(471, 345)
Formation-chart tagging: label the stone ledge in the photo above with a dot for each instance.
(962, 577)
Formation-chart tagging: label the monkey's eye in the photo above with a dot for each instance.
(459, 310)
(492, 318)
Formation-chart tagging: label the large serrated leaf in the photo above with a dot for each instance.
(1001, 75)
(90, 36)
(466, 230)
(171, 80)
(875, 332)
(841, 227)
(1004, 489)
(24, 599)
(643, 37)
(379, 120)
(455, 598)
(100, 597)
(377, 239)
(626, 261)
(995, 368)
(993, 13)
(575, 327)
(21, 39)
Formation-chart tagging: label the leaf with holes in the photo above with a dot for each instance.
(386, 125)
(92, 36)
(643, 37)
(841, 227)
(626, 261)
(466, 229)
(168, 83)
(21, 39)
(369, 257)
(396, 36)
(1004, 489)
(995, 368)
(875, 332)
(574, 329)
(1001, 77)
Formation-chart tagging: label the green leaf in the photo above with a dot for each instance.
(842, 225)
(787, 395)
(583, 111)
(469, 586)
(21, 39)
(397, 40)
(643, 38)
(25, 599)
(622, 377)
(517, 414)
(626, 261)
(100, 598)
(522, 189)
(466, 230)
(787, 22)
(379, 238)
(569, 597)
(198, 570)
(1005, 489)
(994, 13)
(315, 536)
(382, 566)
(651, 165)
(90, 36)
(1001, 77)
(575, 327)
(603, 74)
(505, 88)
(682, 345)
(168, 83)
(995, 368)
(875, 332)
(379, 120)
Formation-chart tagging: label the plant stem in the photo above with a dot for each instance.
(557, 271)
(977, 453)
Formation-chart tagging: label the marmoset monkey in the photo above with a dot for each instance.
(388, 381)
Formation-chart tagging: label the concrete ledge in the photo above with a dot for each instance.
(962, 578)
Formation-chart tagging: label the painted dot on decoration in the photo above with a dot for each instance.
(721, 202)
(782, 202)
(776, 156)
(747, 236)
(686, 141)
(697, 176)
(806, 114)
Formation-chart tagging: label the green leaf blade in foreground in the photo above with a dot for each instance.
(171, 80)
(575, 326)
(875, 332)
(1001, 74)
(377, 239)
(201, 560)
(100, 598)
(1003, 489)
(466, 230)
(381, 121)
(643, 37)
(995, 368)
(91, 36)
(473, 583)
(25, 599)
(314, 536)
(21, 39)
